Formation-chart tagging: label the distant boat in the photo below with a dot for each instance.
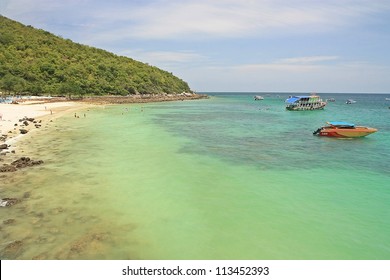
(344, 130)
(387, 98)
(331, 100)
(303, 103)
(258, 97)
(350, 101)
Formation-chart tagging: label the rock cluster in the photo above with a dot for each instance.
(19, 163)
(26, 122)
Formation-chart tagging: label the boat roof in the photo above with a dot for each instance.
(338, 123)
(292, 99)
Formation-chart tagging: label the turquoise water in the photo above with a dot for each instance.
(222, 178)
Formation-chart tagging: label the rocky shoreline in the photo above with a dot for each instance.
(118, 99)
(144, 98)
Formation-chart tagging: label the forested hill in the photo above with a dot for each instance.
(34, 61)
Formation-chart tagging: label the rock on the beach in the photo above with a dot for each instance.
(23, 131)
(3, 146)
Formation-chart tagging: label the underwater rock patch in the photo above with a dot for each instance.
(25, 162)
(13, 249)
(7, 202)
(20, 163)
(9, 221)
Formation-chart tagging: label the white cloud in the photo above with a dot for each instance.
(228, 18)
(306, 59)
(195, 19)
(164, 57)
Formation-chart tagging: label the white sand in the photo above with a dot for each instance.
(11, 113)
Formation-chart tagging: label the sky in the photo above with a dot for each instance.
(237, 46)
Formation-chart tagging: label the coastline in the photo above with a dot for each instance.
(12, 114)
(20, 120)
(42, 109)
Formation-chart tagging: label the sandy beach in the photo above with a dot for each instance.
(48, 109)
(11, 114)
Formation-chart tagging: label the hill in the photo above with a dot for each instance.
(34, 61)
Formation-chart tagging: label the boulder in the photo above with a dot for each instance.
(23, 131)
(3, 146)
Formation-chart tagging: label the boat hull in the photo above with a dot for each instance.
(319, 106)
(346, 132)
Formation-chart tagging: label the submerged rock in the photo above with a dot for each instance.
(7, 168)
(7, 202)
(13, 249)
(25, 162)
(9, 221)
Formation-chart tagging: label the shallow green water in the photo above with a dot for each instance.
(223, 178)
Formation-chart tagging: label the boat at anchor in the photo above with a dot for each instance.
(303, 103)
(258, 97)
(344, 130)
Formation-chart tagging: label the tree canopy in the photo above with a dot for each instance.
(34, 61)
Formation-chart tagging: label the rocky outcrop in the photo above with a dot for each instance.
(20, 163)
(26, 122)
(142, 98)
(25, 162)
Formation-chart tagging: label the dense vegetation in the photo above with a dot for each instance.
(34, 61)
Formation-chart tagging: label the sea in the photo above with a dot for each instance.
(223, 178)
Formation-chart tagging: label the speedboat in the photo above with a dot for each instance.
(350, 101)
(344, 130)
(304, 102)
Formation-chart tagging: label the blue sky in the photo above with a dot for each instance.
(241, 45)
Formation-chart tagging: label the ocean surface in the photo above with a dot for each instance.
(221, 178)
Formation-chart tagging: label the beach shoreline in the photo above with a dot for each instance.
(47, 108)
(20, 120)
(14, 115)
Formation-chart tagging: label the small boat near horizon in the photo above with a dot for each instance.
(350, 101)
(341, 129)
(258, 97)
(304, 103)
